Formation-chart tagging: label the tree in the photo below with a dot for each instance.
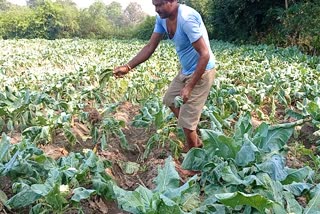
(145, 29)
(133, 14)
(236, 20)
(69, 17)
(114, 13)
(94, 21)
(35, 3)
(15, 23)
(54, 20)
(68, 3)
(5, 5)
(47, 20)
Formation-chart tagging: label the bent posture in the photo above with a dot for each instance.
(185, 28)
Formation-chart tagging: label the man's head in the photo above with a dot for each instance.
(165, 8)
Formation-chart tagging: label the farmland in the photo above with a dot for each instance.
(76, 139)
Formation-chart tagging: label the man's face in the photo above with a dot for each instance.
(163, 8)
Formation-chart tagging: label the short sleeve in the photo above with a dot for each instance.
(192, 29)
(158, 28)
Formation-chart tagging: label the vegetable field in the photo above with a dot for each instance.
(76, 140)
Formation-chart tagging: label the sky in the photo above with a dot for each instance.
(146, 5)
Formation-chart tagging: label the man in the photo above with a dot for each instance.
(184, 26)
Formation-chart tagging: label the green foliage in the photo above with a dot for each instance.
(16, 23)
(229, 185)
(231, 20)
(153, 112)
(145, 29)
(114, 13)
(46, 20)
(235, 20)
(166, 197)
(254, 200)
(61, 19)
(35, 3)
(5, 5)
(93, 22)
(69, 18)
(250, 177)
(290, 29)
(51, 183)
(263, 21)
(47, 15)
(242, 163)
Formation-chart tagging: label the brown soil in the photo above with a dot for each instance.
(99, 206)
(296, 158)
(306, 136)
(266, 109)
(137, 139)
(6, 186)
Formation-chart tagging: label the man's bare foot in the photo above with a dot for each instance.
(184, 173)
(187, 147)
(199, 143)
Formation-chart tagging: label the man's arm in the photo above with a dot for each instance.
(147, 50)
(203, 51)
(142, 56)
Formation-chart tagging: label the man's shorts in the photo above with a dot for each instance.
(190, 111)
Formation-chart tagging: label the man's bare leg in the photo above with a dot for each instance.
(192, 137)
(193, 140)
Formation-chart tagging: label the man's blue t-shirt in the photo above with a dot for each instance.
(190, 28)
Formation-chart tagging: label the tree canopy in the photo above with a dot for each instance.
(62, 19)
(283, 23)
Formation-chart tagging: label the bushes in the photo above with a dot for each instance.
(61, 19)
(145, 29)
(253, 21)
(15, 23)
(48, 20)
(240, 20)
(299, 25)
(268, 22)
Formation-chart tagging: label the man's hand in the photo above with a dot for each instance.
(185, 93)
(120, 71)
